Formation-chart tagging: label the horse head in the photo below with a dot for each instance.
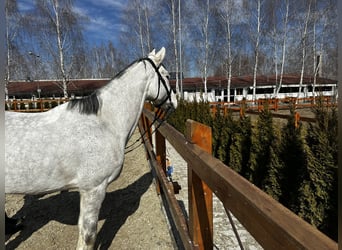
(160, 92)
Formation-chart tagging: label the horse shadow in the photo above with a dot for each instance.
(64, 208)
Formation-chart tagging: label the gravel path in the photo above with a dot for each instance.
(224, 237)
(131, 216)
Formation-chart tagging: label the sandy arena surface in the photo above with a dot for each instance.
(131, 216)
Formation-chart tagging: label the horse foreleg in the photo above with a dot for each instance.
(90, 205)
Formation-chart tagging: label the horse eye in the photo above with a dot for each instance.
(168, 77)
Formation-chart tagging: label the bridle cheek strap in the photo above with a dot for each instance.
(160, 80)
(158, 116)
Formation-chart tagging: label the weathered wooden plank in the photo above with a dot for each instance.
(161, 155)
(200, 195)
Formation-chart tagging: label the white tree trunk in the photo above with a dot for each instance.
(8, 65)
(304, 37)
(147, 30)
(283, 49)
(315, 63)
(206, 51)
(229, 43)
(257, 49)
(140, 29)
(318, 65)
(275, 57)
(174, 34)
(60, 48)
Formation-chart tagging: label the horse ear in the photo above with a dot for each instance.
(159, 57)
(152, 53)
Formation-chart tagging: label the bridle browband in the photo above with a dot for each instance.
(157, 114)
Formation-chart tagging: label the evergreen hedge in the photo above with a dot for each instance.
(295, 165)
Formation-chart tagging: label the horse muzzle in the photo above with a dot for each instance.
(174, 102)
(171, 103)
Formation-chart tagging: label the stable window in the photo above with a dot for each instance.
(264, 90)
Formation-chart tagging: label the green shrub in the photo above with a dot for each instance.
(296, 165)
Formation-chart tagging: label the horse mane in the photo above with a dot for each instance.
(87, 105)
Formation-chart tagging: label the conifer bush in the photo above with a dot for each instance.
(296, 165)
(266, 165)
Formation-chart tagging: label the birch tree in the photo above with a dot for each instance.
(283, 49)
(105, 61)
(316, 63)
(202, 9)
(256, 48)
(321, 20)
(175, 35)
(276, 31)
(60, 45)
(226, 15)
(59, 33)
(148, 29)
(140, 24)
(304, 37)
(137, 39)
(14, 69)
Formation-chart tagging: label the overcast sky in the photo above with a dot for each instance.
(104, 22)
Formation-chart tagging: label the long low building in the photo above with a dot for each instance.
(52, 89)
(240, 88)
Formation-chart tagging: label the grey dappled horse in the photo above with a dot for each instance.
(81, 144)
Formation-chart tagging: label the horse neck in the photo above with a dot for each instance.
(123, 99)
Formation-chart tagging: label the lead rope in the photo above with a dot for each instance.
(157, 116)
(234, 229)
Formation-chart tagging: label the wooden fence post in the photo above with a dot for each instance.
(200, 195)
(276, 101)
(15, 105)
(147, 123)
(297, 119)
(160, 155)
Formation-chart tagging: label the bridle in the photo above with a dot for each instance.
(158, 116)
(160, 80)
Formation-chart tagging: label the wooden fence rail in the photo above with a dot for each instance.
(38, 105)
(272, 104)
(270, 223)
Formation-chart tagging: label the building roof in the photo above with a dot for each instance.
(82, 87)
(78, 87)
(247, 81)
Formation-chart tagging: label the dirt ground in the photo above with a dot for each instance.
(131, 216)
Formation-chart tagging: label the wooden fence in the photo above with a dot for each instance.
(41, 105)
(272, 104)
(38, 105)
(270, 223)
